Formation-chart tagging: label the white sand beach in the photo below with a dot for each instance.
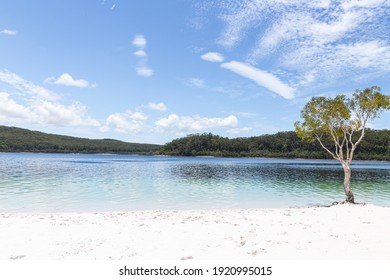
(337, 232)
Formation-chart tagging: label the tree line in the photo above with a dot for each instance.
(375, 146)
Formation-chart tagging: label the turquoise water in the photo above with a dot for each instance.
(72, 182)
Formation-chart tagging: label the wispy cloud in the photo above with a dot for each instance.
(247, 115)
(337, 38)
(9, 32)
(112, 7)
(365, 54)
(239, 130)
(67, 80)
(25, 86)
(196, 82)
(239, 17)
(231, 89)
(261, 77)
(142, 69)
(213, 57)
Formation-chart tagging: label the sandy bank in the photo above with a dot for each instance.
(341, 232)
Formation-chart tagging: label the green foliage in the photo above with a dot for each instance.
(376, 146)
(196, 145)
(341, 120)
(14, 139)
(369, 103)
(322, 115)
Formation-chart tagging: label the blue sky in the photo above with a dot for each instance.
(151, 71)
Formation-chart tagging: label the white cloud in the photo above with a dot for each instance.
(142, 68)
(125, 122)
(67, 80)
(157, 106)
(37, 105)
(26, 87)
(139, 41)
(139, 116)
(261, 77)
(330, 32)
(144, 71)
(11, 110)
(9, 32)
(195, 123)
(170, 121)
(44, 112)
(140, 53)
(55, 113)
(213, 57)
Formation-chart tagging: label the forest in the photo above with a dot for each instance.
(14, 139)
(375, 145)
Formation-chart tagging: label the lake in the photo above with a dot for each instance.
(74, 182)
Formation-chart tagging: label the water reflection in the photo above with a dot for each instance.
(300, 181)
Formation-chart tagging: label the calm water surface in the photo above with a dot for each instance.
(69, 182)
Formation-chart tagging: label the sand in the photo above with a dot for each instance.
(337, 232)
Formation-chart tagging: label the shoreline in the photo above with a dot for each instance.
(337, 232)
(181, 156)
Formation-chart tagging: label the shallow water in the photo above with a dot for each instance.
(73, 182)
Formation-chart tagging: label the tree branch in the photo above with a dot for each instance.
(325, 148)
(347, 146)
(338, 146)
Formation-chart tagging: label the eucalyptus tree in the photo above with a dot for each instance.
(341, 121)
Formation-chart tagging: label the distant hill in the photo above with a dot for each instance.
(13, 139)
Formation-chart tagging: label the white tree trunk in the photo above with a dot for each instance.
(347, 184)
